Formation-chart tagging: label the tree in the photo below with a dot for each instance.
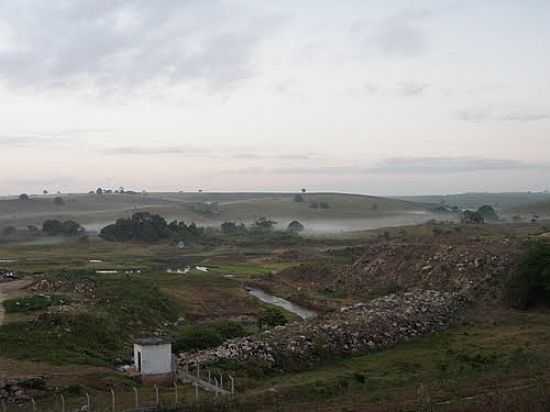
(147, 227)
(32, 229)
(24, 196)
(231, 228)
(54, 227)
(263, 224)
(271, 317)
(9, 230)
(303, 190)
(99, 191)
(470, 217)
(44, 192)
(58, 201)
(295, 227)
(488, 213)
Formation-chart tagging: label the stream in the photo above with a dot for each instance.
(303, 313)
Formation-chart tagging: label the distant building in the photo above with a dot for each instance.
(153, 361)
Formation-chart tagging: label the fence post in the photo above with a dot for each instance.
(113, 400)
(196, 391)
(88, 402)
(216, 385)
(4, 407)
(176, 394)
(232, 384)
(136, 397)
(221, 380)
(157, 397)
(209, 376)
(198, 370)
(62, 403)
(33, 405)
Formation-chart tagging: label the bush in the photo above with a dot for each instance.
(58, 201)
(53, 227)
(207, 336)
(33, 303)
(488, 213)
(298, 198)
(271, 317)
(295, 227)
(531, 284)
(147, 227)
(9, 230)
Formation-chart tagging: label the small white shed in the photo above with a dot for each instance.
(153, 360)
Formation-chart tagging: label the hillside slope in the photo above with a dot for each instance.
(93, 211)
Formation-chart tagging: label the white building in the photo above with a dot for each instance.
(153, 360)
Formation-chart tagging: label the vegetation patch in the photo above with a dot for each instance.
(34, 303)
(63, 339)
(208, 335)
(531, 284)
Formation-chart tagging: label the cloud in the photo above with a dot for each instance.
(399, 35)
(116, 45)
(157, 150)
(474, 115)
(411, 88)
(450, 165)
(29, 140)
(408, 166)
(200, 151)
(525, 116)
(477, 115)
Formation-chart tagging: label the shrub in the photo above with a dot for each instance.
(207, 336)
(271, 317)
(298, 198)
(488, 213)
(58, 201)
(53, 227)
(33, 303)
(295, 227)
(531, 283)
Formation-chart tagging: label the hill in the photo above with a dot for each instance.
(325, 211)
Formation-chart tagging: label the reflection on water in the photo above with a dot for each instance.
(282, 303)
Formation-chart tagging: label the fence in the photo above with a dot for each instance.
(191, 389)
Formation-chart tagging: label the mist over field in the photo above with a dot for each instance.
(243, 206)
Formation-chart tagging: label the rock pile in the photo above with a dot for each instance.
(359, 329)
(7, 275)
(20, 390)
(83, 287)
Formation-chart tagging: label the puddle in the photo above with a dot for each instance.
(282, 303)
(179, 271)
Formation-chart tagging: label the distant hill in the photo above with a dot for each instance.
(507, 202)
(95, 210)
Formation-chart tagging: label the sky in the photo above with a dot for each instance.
(380, 97)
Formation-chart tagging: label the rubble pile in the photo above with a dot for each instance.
(20, 390)
(85, 288)
(474, 268)
(7, 275)
(360, 329)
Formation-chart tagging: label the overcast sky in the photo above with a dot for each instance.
(380, 97)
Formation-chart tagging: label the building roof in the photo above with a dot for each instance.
(152, 341)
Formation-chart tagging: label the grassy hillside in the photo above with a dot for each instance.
(501, 201)
(95, 211)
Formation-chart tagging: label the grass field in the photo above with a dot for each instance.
(95, 211)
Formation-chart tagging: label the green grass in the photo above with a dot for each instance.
(461, 361)
(34, 303)
(63, 339)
